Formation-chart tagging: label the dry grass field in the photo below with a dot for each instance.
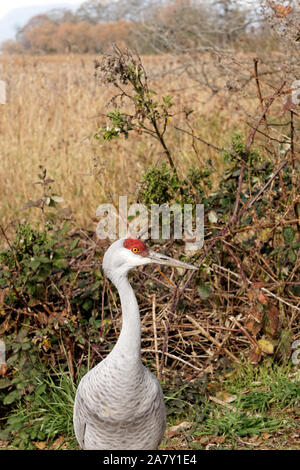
(53, 109)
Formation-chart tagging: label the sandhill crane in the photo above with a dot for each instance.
(119, 403)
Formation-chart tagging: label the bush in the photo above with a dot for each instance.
(44, 282)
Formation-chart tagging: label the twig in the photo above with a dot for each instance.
(172, 356)
(268, 105)
(213, 340)
(199, 138)
(223, 403)
(237, 323)
(224, 232)
(250, 141)
(238, 262)
(250, 204)
(280, 299)
(155, 335)
(10, 246)
(258, 87)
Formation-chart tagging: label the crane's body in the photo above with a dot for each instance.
(119, 403)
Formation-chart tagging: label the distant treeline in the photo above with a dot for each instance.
(150, 26)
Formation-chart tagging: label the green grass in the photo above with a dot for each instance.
(45, 415)
(268, 387)
(253, 401)
(238, 421)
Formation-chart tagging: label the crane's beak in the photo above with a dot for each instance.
(158, 258)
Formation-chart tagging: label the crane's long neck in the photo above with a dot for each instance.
(129, 342)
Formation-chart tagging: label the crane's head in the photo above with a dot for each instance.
(127, 253)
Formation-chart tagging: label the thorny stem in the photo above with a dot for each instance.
(10, 246)
(162, 141)
(234, 219)
(237, 215)
(209, 144)
(294, 182)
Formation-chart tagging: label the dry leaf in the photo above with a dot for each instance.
(42, 318)
(230, 373)
(219, 439)
(254, 322)
(184, 426)
(214, 440)
(41, 445)
(46, 343)
(3, 444)
(226, 397)
(258, 284)
(272, 323)
(255, 355)
(266, 346)
(265, 435)
(213, 217)
(262, 298)
(280, 10)
(57, 443)
(252, 326)
(203, 439)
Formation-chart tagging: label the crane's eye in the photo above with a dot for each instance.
(135, 249)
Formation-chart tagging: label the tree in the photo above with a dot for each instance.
(41, 38)
(76, 37)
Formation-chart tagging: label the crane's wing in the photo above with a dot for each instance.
(79, 421)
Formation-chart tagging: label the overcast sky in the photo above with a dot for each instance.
(5, 7)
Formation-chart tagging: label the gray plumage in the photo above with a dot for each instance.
(119, 403)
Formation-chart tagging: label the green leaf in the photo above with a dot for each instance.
(11, 397)
(82, 283)
(34, 264)
(33, 435)
(25, 346)
(97, 274)
(203, 291)
(4, 383)
(76, 252)
(288, 234)
(5, 434)
(167, 99)
(43, 259)
(40, 389)
(74, 243)
(87, 304)
(292, 256)
(60, 263)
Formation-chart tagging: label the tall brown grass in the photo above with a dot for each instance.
(54, 107)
